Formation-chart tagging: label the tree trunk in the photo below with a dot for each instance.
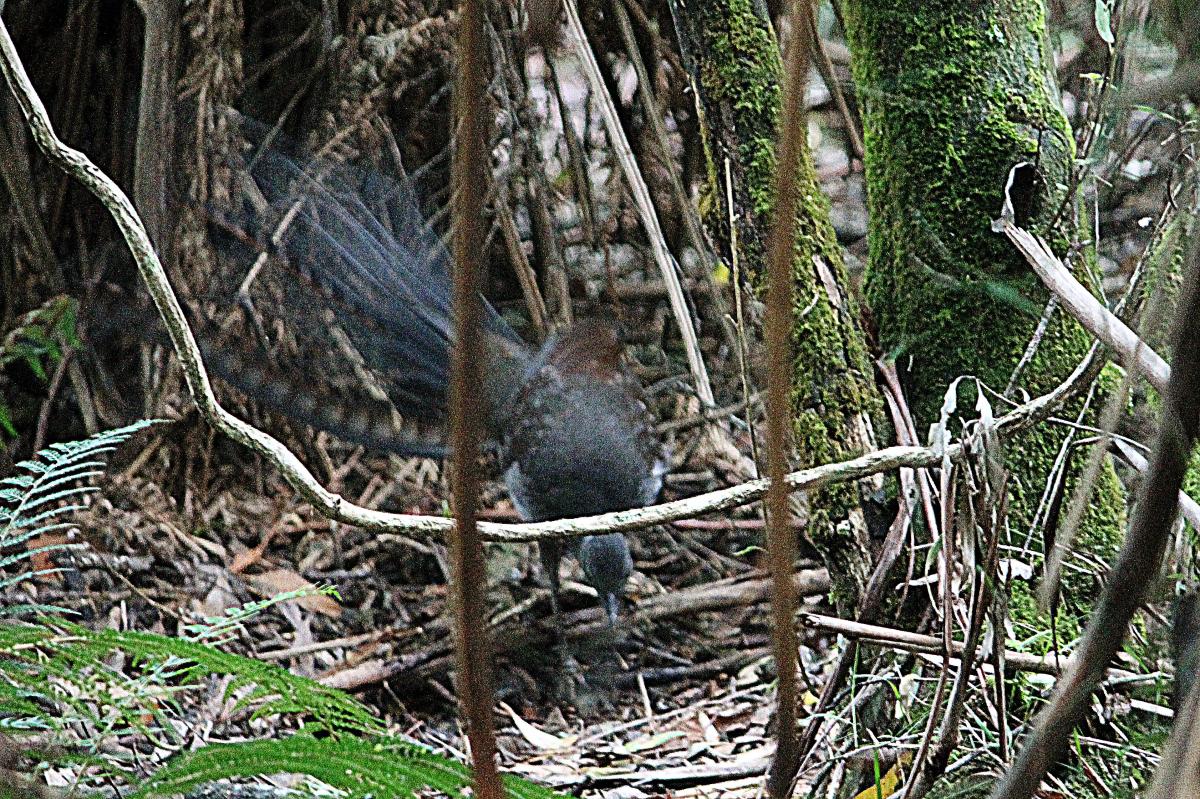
(954, 94)
(734, 60)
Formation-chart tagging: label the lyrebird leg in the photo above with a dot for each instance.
(550, 552)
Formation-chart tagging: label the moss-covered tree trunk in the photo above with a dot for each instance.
(735, 62)
(954, 94)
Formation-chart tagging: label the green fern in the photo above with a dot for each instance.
(216, 628)
(54, 677)
(364, 768)
(44, 490)
(94, 699)
(57, 650)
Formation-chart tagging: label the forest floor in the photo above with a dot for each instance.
(676, 694)
(675, 697)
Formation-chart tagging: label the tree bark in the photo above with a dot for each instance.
(733, 57)
(954, 95)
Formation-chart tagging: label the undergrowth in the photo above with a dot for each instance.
(105, 708)
(38, 340)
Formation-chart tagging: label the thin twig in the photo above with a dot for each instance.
(156, 115)
(917, 643)
(1080, 303)
(534, 302)
(43, 422)
(468, 584)
(825, 66)
(781, 539)
(1140, 557)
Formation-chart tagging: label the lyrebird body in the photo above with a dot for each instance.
(574, 432)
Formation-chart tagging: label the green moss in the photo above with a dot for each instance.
(739, 72)
(953, 96)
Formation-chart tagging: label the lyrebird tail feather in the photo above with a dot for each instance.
(372, 423)
(387, 285)
(368, 422)
(390, 285)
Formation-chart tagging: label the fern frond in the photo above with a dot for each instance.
(54, 676)
(215, 628)
(36, 497)
(59, 649)
(364, 768)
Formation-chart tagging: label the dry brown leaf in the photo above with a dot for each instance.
(278, 581)
(42, 561)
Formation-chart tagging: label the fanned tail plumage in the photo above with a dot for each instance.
(389, 285)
